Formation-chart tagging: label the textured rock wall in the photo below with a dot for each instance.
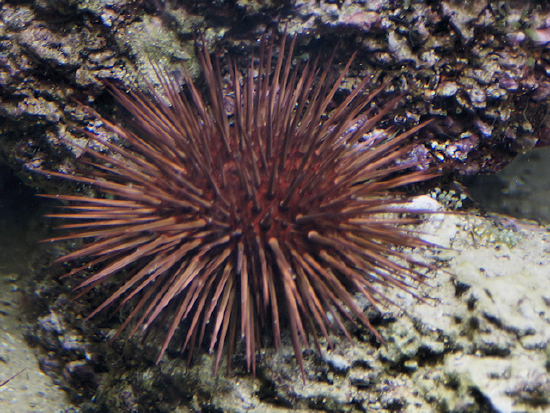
(479, 68)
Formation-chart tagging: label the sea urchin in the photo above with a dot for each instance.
(223, 220)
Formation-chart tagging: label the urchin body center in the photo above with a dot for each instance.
(256, 207)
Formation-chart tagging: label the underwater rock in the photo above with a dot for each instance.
(478, 69)
(475, 340)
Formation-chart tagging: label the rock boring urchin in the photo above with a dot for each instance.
(230, 221)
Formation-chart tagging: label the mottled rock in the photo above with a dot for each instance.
(479, 69)
(475, 340)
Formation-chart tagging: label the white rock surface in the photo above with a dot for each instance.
(31, 391)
